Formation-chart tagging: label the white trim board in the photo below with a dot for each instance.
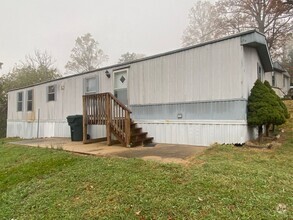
(207, 122)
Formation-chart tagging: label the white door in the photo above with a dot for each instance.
(120, 85)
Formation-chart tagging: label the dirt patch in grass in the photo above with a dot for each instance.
(166, 159)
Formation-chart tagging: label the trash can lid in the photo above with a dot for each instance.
(72, 118)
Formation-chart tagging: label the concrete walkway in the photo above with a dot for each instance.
(160, 152)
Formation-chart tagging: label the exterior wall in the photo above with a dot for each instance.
(203, 133)
(210, 72)
(52, 118)
(201, 84)
(203, 110)
(280, 83)
(268, 77)
(280, 88)
(208, 86)
(250, 64)
(25, 129)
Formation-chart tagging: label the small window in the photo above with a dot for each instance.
(259, 72)
(51, 96)
(19, 101)
(273, 79)
(284, 81)
(29, 100)
(91, 85)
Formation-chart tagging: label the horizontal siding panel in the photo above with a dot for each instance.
(216, 110)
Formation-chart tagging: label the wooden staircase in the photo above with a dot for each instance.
(138, 137)
(106, 109)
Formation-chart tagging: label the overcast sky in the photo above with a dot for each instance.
(120, 26)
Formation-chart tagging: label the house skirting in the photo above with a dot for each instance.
(192, 132)
(203, 133)
(28, 130)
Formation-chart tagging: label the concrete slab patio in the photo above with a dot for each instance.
(161, 152)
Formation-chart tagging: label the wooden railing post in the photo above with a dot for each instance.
(84, 120)
(108, 119)
(127, 128)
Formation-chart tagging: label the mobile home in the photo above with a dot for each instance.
(279, 79)
(195, 95)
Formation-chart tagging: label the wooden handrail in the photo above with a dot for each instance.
(105, 108)
(120, 103)
(112, 96)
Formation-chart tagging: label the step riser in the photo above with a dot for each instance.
(136, 130)
(135, 139)
(142, 142)
(138, 137)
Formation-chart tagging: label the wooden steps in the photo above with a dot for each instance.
(106, 109)
(142, 142)
(138, 137)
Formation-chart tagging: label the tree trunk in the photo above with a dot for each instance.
(260, 130)
(267, 129)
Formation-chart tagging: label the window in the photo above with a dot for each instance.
(284, 81)
(51, 93)
(91, 85)
(29, 100)
(273, 79)
(259, 72)
(19, 101)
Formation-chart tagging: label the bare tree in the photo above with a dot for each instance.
(38, 60)
(287, 58)
(271, 17)
(86, 55)
(202, 24)
(274, 18)
(231, 19)
(127, 57)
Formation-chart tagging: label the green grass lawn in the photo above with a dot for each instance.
(223, 183)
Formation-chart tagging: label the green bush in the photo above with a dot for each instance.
(264, 107)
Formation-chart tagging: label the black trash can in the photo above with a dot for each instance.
(75, 123)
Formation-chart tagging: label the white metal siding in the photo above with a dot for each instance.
(268, 77)
(211, 72)
(69, 93)
(53, 114)
(279, 81)
(251, 61)
(29, 130)
(218, 71)
(280, 84)
(202, 133)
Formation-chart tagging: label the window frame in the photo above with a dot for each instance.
(51, 93)
(259, 72)
(19, 101)
(96, 83)
(28, 101)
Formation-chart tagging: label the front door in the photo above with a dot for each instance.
(120, 85)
